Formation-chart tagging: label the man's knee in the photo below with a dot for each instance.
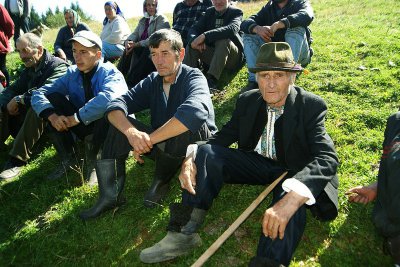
(56, 99)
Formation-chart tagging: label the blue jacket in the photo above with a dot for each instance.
(107, 83)
(189, 100)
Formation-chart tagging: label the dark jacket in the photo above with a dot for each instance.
(50, 68)
(232, 18)
(386, 213)
(303, 146)
(296, 13)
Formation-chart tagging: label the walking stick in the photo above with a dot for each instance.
(215, 246)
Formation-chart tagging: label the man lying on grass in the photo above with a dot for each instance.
(278, 128)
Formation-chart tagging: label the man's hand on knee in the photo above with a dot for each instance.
(187, 177)
(277, 217)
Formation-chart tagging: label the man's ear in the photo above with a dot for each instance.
(98, 54)
(182, 54)
(40, 50)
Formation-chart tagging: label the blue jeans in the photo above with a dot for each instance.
(295, 37)
(112, 50)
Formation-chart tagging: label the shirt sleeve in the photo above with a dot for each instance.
(300, 188)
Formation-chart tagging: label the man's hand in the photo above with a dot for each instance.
(61, 54)
(363, 194)
(187, 177)
(71, 122)
(277, 217)
(140, 141)
(277, 25)
(129, 45)
(60, 123)
(265, 32)
(12, 107)
(199, 43)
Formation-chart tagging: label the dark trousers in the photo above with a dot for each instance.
(64, 107)
(117, 146)
(136, 66)
(3, 68)
(10, 125)
(20, 23)
(217, 165)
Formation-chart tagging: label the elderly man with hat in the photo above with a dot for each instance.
(278, 127)
(76, 102)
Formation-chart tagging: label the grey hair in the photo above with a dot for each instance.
(34, 41)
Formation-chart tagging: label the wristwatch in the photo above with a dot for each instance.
(19, 99)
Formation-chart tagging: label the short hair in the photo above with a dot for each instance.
(166, 35)
(32, 39)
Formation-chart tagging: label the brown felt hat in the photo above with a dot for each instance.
(275, 56)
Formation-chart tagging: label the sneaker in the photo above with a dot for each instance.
(171, 246)
(10, 171)
(249, 86)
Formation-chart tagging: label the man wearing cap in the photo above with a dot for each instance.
(77, 101)
(278, 128)
(17, 118)
(278, 21)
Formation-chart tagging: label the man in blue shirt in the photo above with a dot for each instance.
(181, 113)
(77, 101)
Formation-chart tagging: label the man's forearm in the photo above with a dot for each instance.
(170, 129)
(118, 119)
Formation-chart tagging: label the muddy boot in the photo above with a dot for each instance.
(179, 239)
(90, 160)
(65, 151)
(166, 167)
(111, 178)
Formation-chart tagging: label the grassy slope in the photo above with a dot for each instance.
(38, 222)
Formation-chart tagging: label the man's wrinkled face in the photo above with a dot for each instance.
(29, 56)
(274, 86)
(85, 57)
(166, 60)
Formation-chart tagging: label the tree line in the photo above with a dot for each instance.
(55, 19)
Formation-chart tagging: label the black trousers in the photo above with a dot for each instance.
(64, 107)
(10, 125)
(217, 165)
(20, 23)
(117, 146)
(3, 68)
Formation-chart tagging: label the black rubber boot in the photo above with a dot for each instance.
(166, 167)
(181, 238)
(91, 153)
(111, 178)
(64, 146)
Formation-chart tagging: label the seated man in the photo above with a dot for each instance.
(17, 117)
(181, 113)
(77, 101)
(386, 191)
(186, 13)
(215, 40)
(278, 21)
(278, 128)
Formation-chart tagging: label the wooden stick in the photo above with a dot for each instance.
(215, 246)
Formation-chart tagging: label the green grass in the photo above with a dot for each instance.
(38, 219)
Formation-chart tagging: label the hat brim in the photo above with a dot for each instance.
(296, 68)
(83, 41)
